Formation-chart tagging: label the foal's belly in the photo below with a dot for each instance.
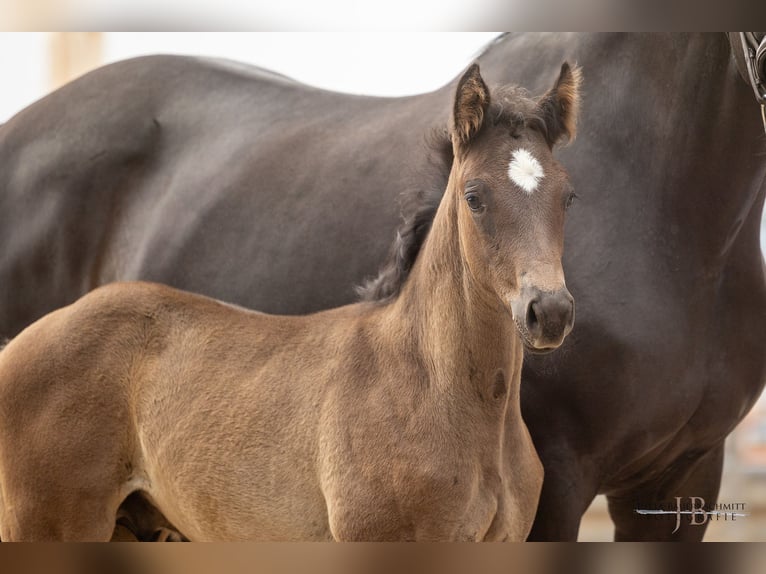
(220, 507)
(232, 471)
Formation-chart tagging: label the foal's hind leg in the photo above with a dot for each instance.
(60, 487)
(58, 484)
(695, 474)
(36, 518)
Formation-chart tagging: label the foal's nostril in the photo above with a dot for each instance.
(549, 317)
(533, 320)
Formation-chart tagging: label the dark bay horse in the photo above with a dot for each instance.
(246, 186)
(372, 421)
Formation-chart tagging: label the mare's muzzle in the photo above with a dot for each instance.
(543, 318)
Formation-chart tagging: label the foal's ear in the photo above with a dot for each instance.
(560, 106)
(471, 102)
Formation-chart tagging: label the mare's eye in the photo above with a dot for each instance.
(570, 199)
(474, 201)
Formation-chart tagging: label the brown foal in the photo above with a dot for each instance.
(397, 420)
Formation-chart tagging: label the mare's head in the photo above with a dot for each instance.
(512, 197)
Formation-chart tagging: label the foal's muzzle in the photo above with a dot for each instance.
(543, 318)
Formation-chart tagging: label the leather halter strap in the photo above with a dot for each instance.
(754, 49)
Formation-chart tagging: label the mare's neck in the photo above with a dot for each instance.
(461, 327)
(696, 165)
(716, 174)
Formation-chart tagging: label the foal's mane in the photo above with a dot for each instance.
(418, 208)
(510, 106)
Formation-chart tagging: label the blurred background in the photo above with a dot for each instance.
(376, 63)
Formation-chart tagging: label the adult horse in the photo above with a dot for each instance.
(249, 187)
(372, 421)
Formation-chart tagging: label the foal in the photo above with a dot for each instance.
(389, 421)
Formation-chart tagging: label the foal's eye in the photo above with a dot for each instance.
(570, 199)
(474, 201)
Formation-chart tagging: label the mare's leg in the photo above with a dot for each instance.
(694, 474)
(565, 496)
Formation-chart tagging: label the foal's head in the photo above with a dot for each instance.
(512, 195)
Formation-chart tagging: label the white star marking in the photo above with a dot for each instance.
(525, 171)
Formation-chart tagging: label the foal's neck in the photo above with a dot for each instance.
(461, 325)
